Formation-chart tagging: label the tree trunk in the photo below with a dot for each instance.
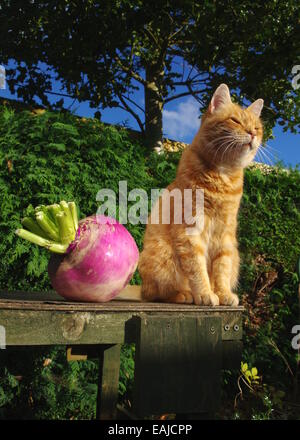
(153, 107)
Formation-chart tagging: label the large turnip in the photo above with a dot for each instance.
(94, 260)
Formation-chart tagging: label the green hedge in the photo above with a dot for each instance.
(53, 156)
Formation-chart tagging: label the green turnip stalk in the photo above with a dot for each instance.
(33, 227)
(66, 228)
(73, 210)
(47, 225)
(52, 211)
(65, 207)
(39, 208)
(50, 245)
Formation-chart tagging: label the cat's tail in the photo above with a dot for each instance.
(130, 293)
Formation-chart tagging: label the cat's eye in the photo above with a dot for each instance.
(235, 120)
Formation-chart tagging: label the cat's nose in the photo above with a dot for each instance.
(252, 133)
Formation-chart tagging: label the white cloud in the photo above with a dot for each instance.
(182, 123)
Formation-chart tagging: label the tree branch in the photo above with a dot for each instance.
(181, 95)
(132, 112)
(151, 35)
(171, 38)
(49, 92)
(194, 94)
(133, 74)
(134, 103)
(186, 82)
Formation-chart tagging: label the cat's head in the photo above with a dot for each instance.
(230, 134)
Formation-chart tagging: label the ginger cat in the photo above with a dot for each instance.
(203, 268)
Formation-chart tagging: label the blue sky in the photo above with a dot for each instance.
(181, 122)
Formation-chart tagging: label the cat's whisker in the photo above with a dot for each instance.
(259, 153)
(216, 153)
(211, 146)
(236, 154)
(220, 140)
(226, 144)
(268, 153)
(221, 145)
(269, 147)
(266, 158)
(258, 156)
(230, 146)
(266, 149)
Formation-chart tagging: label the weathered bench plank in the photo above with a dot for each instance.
(28, 327)
(47, 319)
(52, 301)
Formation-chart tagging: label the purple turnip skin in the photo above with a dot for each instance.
(98, 264)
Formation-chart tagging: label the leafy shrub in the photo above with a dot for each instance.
(269, 239)
(44, 385)
(48, 157)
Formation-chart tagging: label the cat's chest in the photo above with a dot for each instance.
(218, 228)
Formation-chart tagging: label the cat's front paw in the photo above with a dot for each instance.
(206, 299)
(228, 298)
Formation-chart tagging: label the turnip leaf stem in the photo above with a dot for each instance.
(47, 225)
(73, 209)
(33, 227)
(50, 245)
(66, 228)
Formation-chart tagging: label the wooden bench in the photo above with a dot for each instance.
(180, 349)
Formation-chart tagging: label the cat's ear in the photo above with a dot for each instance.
(220, 97)
(256, 107)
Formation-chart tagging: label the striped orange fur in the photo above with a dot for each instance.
(203, 268)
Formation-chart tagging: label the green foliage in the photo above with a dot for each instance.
(269, 237)
(250, 374)
(126, 370)
(49, 157)
(41, 384)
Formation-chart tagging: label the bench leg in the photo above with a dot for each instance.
(108, 385)
(177, 365)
